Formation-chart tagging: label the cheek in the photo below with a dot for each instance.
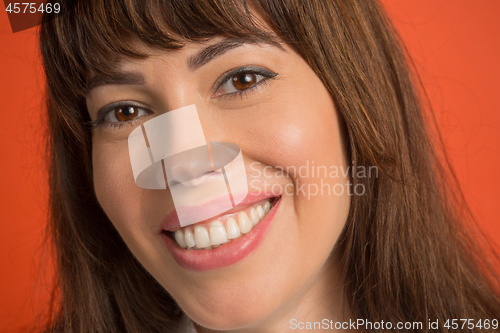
(300, 123)
(114, 184)
(135, 212)
(306, 137)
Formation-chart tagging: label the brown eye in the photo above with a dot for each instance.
(117, 113)
(244, 81)
(126, 113)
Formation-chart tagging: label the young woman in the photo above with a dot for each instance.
(352, 215)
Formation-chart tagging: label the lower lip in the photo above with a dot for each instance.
(224, 255)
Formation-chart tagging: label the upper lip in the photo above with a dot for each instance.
(171, 221)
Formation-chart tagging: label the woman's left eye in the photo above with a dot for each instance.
(243, 80)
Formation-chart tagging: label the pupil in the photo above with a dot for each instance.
(245, 79)
(127, 112)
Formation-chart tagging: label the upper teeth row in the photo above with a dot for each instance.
(217, 234)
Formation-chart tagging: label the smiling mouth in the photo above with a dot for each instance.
(223, 229)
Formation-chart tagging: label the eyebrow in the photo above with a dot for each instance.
(116, 78)
(213, 51)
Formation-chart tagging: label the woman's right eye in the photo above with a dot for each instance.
(124, 113)
(118, 114)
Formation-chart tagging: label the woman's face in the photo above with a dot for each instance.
(268, 101)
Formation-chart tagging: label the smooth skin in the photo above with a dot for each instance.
(287, 121)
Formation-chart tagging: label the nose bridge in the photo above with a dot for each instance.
(182, 94)
(187, 98)
(177, 88)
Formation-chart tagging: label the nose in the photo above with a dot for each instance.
(175, 136)
(189, 167)
(192, 167)
(170, 151)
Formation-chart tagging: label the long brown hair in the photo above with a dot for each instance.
(405, 252)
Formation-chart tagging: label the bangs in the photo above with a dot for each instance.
(93, 36)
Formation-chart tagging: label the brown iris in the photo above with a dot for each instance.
(244, 81)
(126, 113)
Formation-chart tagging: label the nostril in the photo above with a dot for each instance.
(194, 182)
(188, 166)
(182, 174)
(200, 179)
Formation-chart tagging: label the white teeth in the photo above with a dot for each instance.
(189, 238)
(179, 237)
(244, 222)
(201, 237)
(233, 231)
(260, 212)
(254, 216)
(214, 235)
(218, 233)
(267, 207)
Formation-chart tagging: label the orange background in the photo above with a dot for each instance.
(455, 44)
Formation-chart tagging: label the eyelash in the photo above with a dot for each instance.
(258, 71)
